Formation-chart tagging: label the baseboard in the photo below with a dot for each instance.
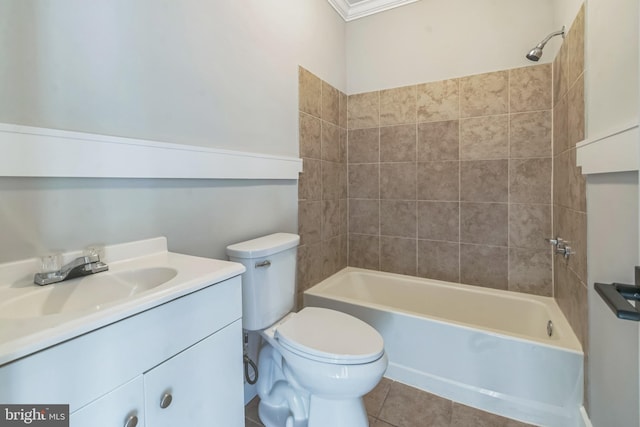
(585, 421)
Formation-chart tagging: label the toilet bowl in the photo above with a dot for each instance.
(315, 365)
(331, 358)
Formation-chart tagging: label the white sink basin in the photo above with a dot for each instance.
(142, 275)
(88, 293)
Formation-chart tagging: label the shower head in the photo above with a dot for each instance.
(535, 53)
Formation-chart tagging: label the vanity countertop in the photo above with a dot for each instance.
(141, 275)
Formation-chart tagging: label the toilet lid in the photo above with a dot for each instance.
(330, 336)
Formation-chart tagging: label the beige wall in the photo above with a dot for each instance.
(612, 66)
(433, 40)
(451, 180)
(564, 13)
(322, 190)
(612, 103)
(613, 391)
(219, 74)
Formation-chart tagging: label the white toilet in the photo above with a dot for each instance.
(316, 364)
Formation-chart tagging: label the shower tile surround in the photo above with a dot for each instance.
(415, 164)
(322, 188)
(569, 187)
(451, 180)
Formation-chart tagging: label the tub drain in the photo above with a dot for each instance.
(549, 328)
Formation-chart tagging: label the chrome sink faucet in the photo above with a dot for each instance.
(81, 266)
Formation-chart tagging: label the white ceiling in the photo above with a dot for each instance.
(354, 9)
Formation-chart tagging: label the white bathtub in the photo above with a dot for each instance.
(481, 347)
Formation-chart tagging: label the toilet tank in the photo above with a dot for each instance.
(269, 283)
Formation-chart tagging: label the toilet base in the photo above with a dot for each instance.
(274, 416)
(337, 413)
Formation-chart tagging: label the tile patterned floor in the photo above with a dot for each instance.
(393, 404)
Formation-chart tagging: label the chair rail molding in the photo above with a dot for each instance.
(42, 152)
(615, 151)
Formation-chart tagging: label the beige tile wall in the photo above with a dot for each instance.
(322, 189)
(569, 194)
(452, 180)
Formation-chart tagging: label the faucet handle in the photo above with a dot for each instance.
(94, 253)
(555, 242)
(565, 251)
(50, 262)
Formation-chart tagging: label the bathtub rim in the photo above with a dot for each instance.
(567, 342)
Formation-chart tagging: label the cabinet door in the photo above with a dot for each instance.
(203, 383)
(114, 409)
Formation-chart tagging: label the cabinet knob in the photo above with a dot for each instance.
(166, 400)
(132, 421)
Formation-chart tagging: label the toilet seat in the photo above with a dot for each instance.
(330, 336)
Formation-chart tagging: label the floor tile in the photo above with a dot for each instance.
(249, 423)
(380, 423)
(375, 398)
(393, 404)
(251, 410)
(409, 407)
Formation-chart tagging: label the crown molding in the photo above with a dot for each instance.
(354, 9)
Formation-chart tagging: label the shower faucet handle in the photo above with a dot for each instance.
(562, 246)
(565, 251)
(555, 242)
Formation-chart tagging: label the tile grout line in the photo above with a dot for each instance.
(553, 165)
(415, 167)
(459, 83)
(348, 260)
(379, 190)
(509, 80)
(322, 167)
(377, 416)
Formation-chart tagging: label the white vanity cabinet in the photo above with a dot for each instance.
(189, 348)
(123, 406)
(198, 384)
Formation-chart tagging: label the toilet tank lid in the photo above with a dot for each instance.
(263, 246)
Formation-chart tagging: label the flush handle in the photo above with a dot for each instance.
(265, 263)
